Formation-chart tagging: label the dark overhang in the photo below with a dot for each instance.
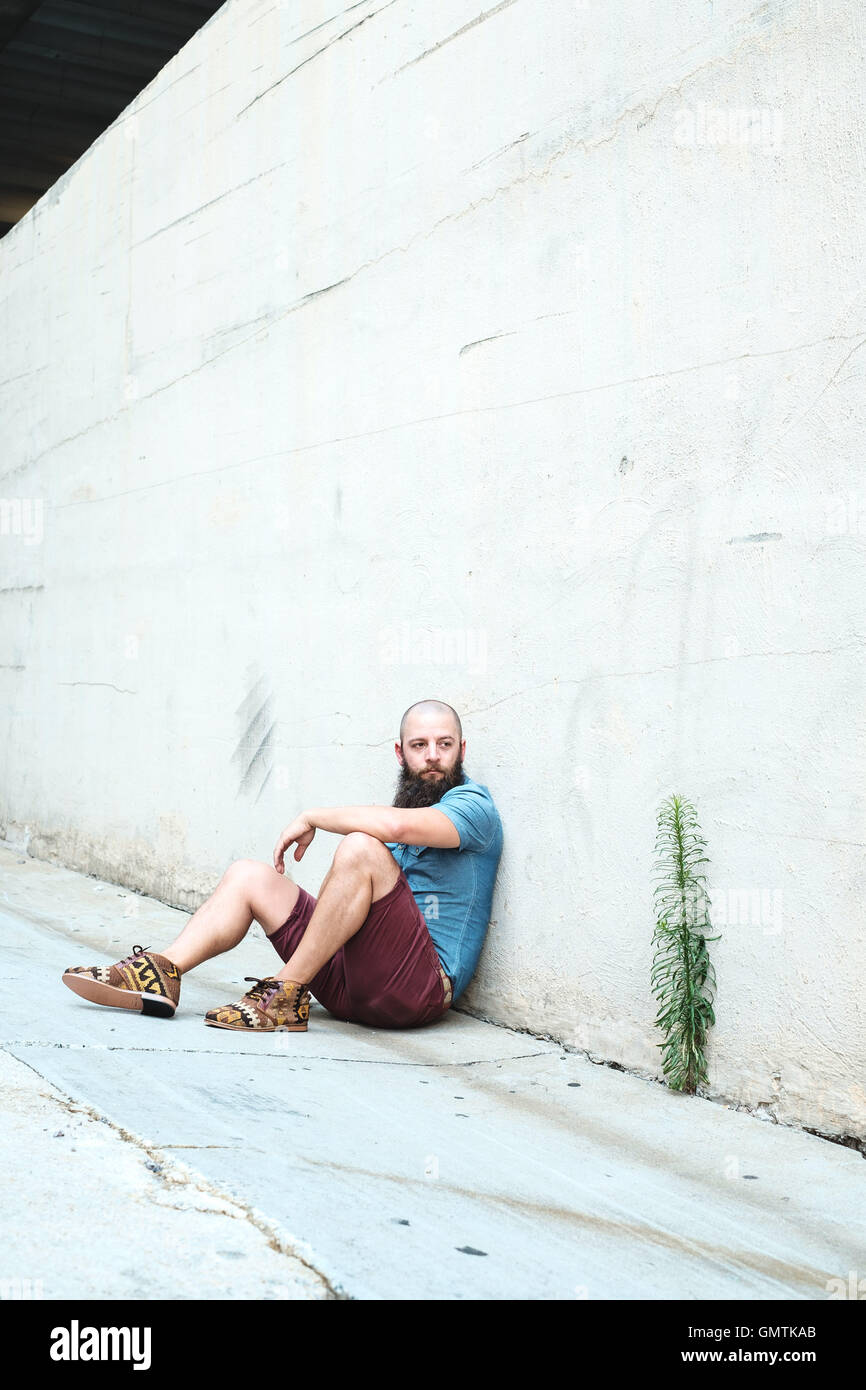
(67, 70)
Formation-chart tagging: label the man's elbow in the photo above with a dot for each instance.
(397, 828)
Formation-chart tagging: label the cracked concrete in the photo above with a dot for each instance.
(359, 1163)
(107, 685)
(97, 1212)
(336, 39)
(458, 33)
(408, 424)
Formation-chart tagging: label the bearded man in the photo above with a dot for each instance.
(394, 936)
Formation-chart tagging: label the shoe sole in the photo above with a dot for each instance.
(98, 993)
(280, 1027)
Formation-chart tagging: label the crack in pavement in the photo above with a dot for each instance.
(173, 1173)
(280, 1056)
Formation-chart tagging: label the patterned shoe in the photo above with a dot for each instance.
(144, 981)
(271, 1006)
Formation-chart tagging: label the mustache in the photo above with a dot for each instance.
(416, 789)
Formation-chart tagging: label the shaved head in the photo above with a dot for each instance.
(430, 753)
(432, 707)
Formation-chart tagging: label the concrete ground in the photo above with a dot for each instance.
(149, 1158)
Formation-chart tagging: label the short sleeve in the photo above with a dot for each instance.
(472, 811)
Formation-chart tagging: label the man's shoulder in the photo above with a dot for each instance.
(473, 800)
(471, 788)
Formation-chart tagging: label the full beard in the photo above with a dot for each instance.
(415, 790)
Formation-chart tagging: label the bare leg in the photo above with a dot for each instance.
(363, 871)
(248, 890)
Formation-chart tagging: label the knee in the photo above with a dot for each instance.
(359, 848)
(244, 872)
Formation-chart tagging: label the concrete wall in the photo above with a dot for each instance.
(511, 355)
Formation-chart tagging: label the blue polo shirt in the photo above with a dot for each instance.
(454, 887)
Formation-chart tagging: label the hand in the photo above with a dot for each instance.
(300, 830)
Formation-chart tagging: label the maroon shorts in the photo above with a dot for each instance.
(387, 975)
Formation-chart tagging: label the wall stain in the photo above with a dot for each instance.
(805, 1276)
(253, 756)
(759, 536)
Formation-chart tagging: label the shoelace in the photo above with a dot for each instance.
(136, 951)
(261, 986)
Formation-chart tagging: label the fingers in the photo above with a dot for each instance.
(303, 837)
(304, 842)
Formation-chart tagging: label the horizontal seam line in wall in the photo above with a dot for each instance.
(447, 415)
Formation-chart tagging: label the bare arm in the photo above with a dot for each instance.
(425, 826)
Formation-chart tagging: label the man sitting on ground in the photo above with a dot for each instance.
(394, 936)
